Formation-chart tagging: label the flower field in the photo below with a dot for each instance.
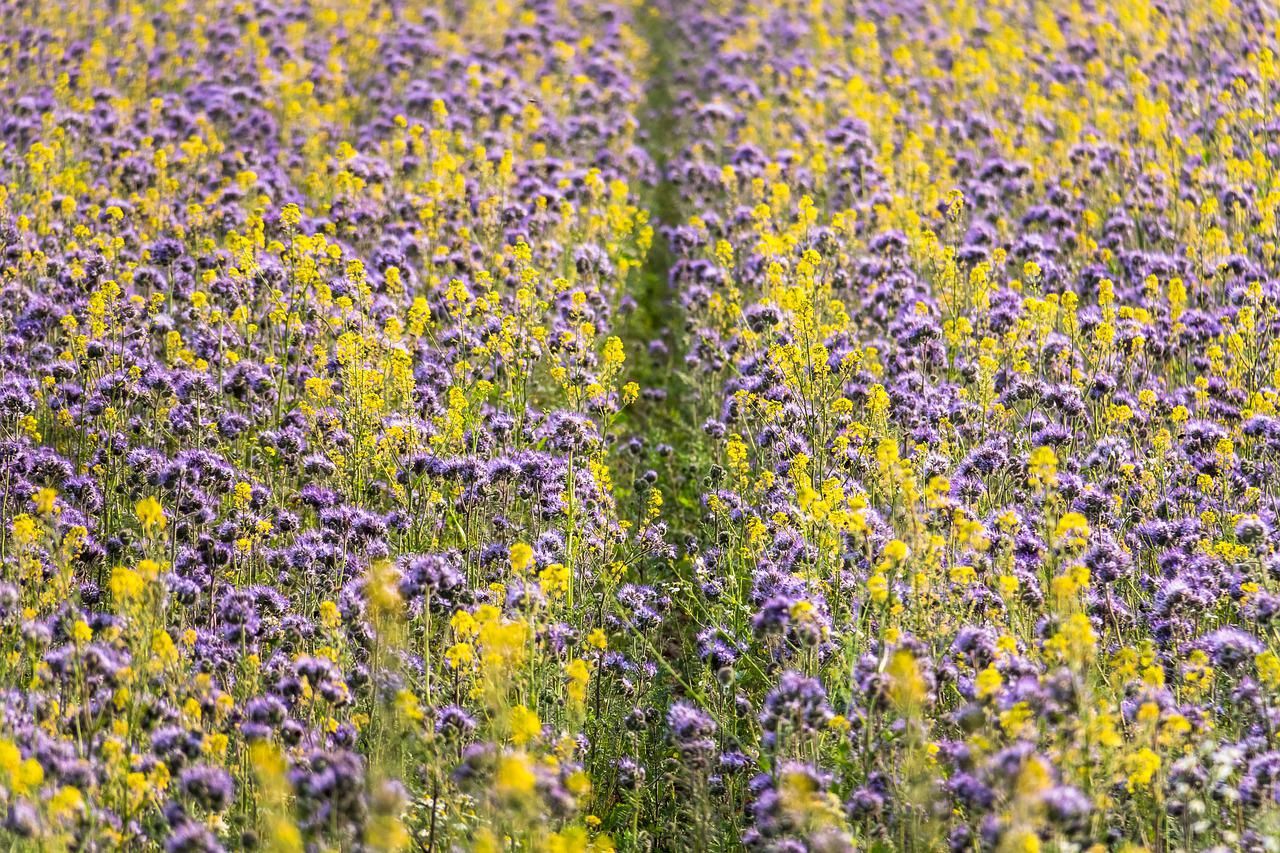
(550, 425)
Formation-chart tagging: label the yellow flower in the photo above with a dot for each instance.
(1021, 841)
(521, 557)
(577, 675)
(514, 778)
(1075, 641)
(460, 655)
(988, 682)
(907, 686)
(126, 584)
(46, 501)
(290, 216)
(139, 789)
(81, 633)
(1015, 719)
(24, 775)
(1268, 664)
(504, 644)
(67, 802)
(150, 514)
(554, 579)
(330, 618)
(802, 610)
(1072, 531)
(1034, 777)
(1142, 766)
(463, 624)
(878, 587)
(1043, 467)
(1174, 728)
(163, 651)
(24, 529)
(408, 706)
(614, 354)
(525, 725)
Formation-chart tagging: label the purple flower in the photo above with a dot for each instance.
(209, 787)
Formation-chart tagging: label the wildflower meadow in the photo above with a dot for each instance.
(644, 425)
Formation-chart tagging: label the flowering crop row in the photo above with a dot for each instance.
(564, 426)
(981, 317)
